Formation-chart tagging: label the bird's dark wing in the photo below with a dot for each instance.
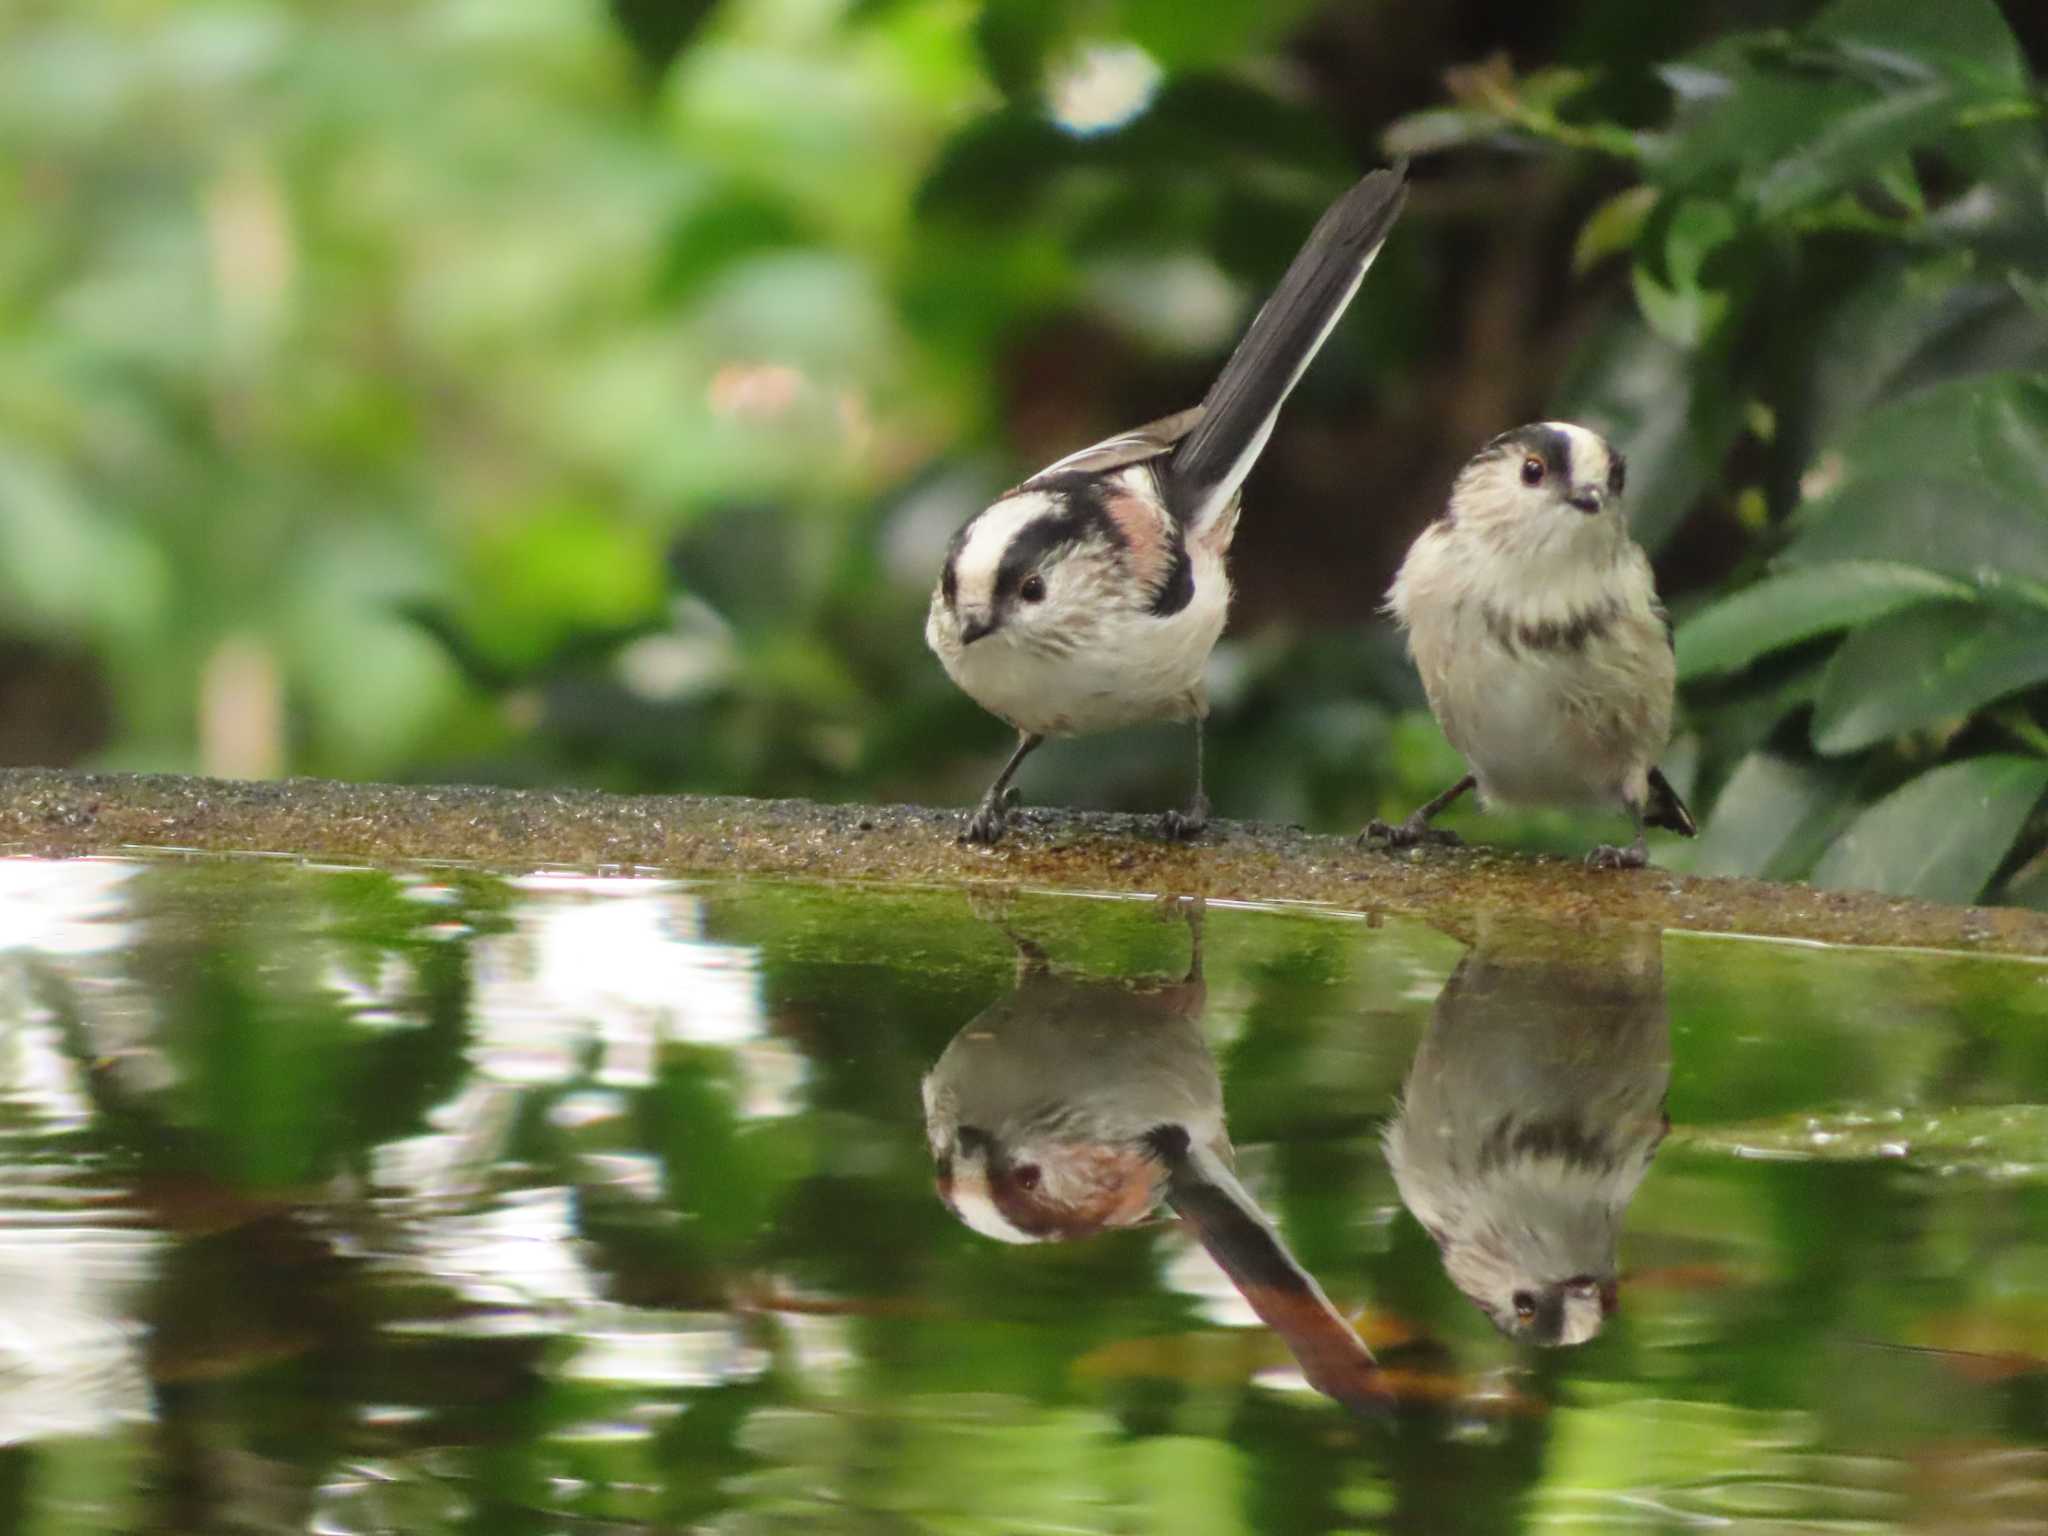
(1666, 810)
(1211, 463)
(1123, 450)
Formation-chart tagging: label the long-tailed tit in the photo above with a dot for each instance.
(1074, 1107)
(1091, 596)
(1530, 1114)
(1534, 620)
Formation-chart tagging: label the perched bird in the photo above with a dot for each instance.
(1074, 1107)
(1534, 620)
(1091, 596)
(1529, 1116)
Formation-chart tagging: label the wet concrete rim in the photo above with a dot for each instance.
(54, 813)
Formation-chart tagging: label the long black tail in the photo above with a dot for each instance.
(1206, 1195)
(1238, 415)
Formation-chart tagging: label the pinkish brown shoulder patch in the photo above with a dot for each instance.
(1142, 522)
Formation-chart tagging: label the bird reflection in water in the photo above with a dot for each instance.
(1530, 1114)
(1074, 1107)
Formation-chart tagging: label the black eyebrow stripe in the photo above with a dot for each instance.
(1079, 515)
(1547, 443)
(949, 576)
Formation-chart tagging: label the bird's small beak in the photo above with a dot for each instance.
(973, 628)
(1588, 498)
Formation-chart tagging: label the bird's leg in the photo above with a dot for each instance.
(1634, 856)
(1417, 828)
(1179, 826)
(1190, 908)
(993, 814)
(991, 904)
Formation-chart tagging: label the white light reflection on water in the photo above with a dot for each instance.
(596, 977)
(628, 961)
(70, 1352)
(520, 1254)
(640, 1347)
(64, 906)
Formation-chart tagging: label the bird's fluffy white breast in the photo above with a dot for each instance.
(1126, 665)
(1562, 726)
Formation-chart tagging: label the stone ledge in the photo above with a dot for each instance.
(59, 813)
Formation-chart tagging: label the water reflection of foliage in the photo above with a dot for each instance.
(499, 1263)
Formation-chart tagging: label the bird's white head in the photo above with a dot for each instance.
(1551, 488)
(1031, 570)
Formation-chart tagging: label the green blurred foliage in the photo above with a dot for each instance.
(585, 393)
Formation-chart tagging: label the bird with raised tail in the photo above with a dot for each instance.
(1534, 621)
(1074, 1107)
(1090, 596)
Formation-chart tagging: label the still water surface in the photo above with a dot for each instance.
(352, 1201)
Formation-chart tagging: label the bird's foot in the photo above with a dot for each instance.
(1185, 826)
(1607, 856)
(991, 819)
(1407, 834)
(991, 904)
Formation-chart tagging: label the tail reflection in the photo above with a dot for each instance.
(1530, 1115)
(1072, 1107)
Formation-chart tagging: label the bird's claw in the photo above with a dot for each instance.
(1408, 834)
(1606, 856)
(1185, 826)
(987, 825)
(991, 904)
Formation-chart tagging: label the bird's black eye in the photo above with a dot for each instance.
(1032, 588)
(1525, 1306)
(1532, 470)
(1026, 1175)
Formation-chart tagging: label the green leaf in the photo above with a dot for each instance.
(1785, 609)
(1949, 525)
(659, 29)
(1773, 818)
(1943, 836)
(1924, 667)
(1989, 428)
(1678, 411)
(1679, 305)
(1796, 120)
(1953, 478)
(1855, 144)
(1440, 128)
(1964, 39)
(1613, 227)
(1214, 34)
(1015, 37)
(724, 231)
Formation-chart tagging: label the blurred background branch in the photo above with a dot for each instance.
(585, 393)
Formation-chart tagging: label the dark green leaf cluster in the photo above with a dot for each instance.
(1837, 243)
